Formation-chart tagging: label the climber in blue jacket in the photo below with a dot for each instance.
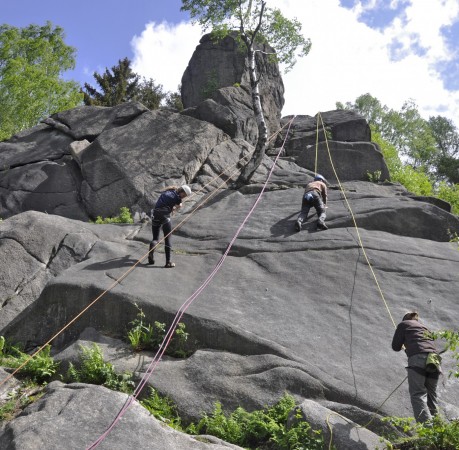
(168, 201)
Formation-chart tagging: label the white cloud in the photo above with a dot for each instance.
(347, 57)
(162, 52)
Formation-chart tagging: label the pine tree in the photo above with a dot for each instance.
(117, 86)
(122, 84)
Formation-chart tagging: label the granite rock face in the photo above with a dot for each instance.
(216, 87)
(72, 416)
(311, 313)
(288, 311)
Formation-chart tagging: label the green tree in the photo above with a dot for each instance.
(369, 107)
(255, 23)
(117, 86)
(174, 100)
(32, 60)
(150, 94)
(421, 155)
(446, 137)
(405, 129)
(414, 180)
(121, 84)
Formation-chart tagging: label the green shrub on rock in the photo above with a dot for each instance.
(92, 369)
(123, 217)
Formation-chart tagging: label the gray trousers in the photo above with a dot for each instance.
(422, 387)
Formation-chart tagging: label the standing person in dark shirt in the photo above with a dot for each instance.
(315, 195)
(169, 200)
(422, 384)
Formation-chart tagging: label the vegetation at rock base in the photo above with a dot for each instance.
(20, 398)
(437, 435)
(123, 217)
(163, 408)
(33, 377)
(40, 368)
(93, 369)
(32, 61)
(267, 429)
(261, 429)
(145, 336)
(422, 155)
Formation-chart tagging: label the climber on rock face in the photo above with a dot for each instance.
(315, 195)
(423, 365)
(168, 201)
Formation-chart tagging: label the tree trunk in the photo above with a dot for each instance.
(260, 147)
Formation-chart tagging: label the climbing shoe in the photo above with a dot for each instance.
(151, 259)
(298, 225)
(169, 265)
(321, 226)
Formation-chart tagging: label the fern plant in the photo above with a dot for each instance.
(93, 369)
(40, 368)
(162, 408)
(437, 434)
(144, 336)
(262, 429)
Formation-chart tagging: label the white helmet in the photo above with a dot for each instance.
(185, 188)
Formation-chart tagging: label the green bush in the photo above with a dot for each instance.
(93, 369)
(144, 336)
(163, 409)
(211, 85)
(450, 340)
(435, 435)
(40, 368)
(450, 194)
(124, 217)
(263, 429)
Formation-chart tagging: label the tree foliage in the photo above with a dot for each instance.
(405, 129)
(121, 84)
(422, 155)
(446, 138)
(174, 100)
(254, 23)
(32, 60)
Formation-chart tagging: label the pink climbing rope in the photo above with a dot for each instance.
(167, 338)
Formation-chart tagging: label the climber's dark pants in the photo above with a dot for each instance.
(307, 204)
(157, 223)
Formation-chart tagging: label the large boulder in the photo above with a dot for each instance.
(337, 430)
(91, 161)
(341, 125)
(75, 416)
(216, 87)
(300, 309)
(36, 247)
(336, 143)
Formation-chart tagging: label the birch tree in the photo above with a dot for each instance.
(255, 23)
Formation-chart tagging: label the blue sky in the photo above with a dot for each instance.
(394, 49)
